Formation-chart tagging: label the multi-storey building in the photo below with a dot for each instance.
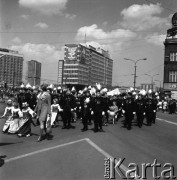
(87, 66)
(34, 73)
(11, 67)
(170, 60)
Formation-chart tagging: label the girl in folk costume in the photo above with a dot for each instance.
(55, 109)
(16, 114)
(7, 114)
(26, 120)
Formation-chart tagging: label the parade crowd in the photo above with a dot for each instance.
(44, 107)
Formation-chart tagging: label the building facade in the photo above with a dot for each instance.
(11, 67)
(87, 66)
(147, 86)
(170, 60)
(34, 73)
(60, 72)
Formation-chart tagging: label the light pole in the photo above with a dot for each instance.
(152, 79)
(159, 82)
(135, 66)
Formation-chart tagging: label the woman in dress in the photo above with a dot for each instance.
(26, 120)
(7, 114)
(43, 111)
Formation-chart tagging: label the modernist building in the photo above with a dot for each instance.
(34, 73)
(87, 66)
(11, 67)
(170, 60)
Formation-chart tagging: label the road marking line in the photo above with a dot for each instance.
(104, 153)
(167, 121)
(42, 150)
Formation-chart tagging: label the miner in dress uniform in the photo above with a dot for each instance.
(97, 111)
(129, 110)
(140, 110)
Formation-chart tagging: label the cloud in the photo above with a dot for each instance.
(70, 16)
(47, 7)
(17, 40)
(112, 40)
(47, 54)
(142, 17)
(156, 39)
(25, 16)
(41, 25)
(94, 32)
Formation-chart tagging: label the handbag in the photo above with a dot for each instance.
(48, 124)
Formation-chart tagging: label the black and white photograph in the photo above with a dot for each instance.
(88, 89)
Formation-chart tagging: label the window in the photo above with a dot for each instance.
(173, 76)
(173, 56)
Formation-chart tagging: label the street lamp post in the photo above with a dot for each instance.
(152, 78)
(159, 82)
(135, 66)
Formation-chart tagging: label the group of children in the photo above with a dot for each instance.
(18, 121)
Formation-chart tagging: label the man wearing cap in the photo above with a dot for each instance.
(140, 110)
(97, 111)
(68, 107)
(30, 97)
(149, 109)
(129, 110)
(21, 96)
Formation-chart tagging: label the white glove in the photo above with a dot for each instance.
(144, 113)
(72, 109)
(79, 107)
(154, 110)
(92, 112)
(103, 113)
(133, 112)
(123, 111)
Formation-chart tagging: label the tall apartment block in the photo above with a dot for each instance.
(87, 66)
(11, 67)
(34, 73)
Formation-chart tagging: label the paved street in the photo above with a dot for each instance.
(73, 154)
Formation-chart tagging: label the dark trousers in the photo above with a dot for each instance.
(97, 120)
(67, 118)
(150, 117)
(85, 122)
(140, 118)
(128, 121)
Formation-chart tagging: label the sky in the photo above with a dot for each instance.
(132, 29)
